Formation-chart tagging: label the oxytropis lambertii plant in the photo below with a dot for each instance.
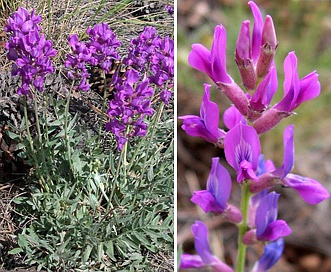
(82, 187)
(250, 115)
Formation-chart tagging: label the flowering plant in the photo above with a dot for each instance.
(78, 185)
(29, 50)
(250, 115)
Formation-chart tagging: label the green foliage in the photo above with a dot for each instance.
(92, 211)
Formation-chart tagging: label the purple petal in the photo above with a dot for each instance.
(253, 205)
(274, 230)
(218, 56)
(310, 190)
(265, 91)
(200, 232)
(190, 261)
(232, 117)
(194, 126)
(271, 254)
(242, 144)
(243, 46)
(209, 112)
(257, 31)
(288, 141)
(309, 88)
(288, 149)
(266, 213)
(219, 183)
(269, 33)
(207, 202)
(205, 126)
(200, 59)
(291, 84)
(261, 167)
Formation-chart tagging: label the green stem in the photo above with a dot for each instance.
(66, 135)
(43, 184)
(41, 143)
(245, 195)
(114, 180)
(103, 108)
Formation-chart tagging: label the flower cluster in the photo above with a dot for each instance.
(150, 62)
(154, 56)
(254, 56)
(29, 50)
(129, 107)
(99, 51)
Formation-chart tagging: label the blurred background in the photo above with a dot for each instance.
(303, 27)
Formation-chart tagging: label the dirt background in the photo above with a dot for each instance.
(303, 26)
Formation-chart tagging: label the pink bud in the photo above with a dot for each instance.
(243, 57)
(269, 47)
(232, 214)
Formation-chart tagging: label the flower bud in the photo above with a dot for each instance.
(268, 50)
(243, 57)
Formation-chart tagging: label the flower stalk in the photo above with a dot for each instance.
(245, 194)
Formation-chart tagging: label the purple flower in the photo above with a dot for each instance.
(310, 190)
(104, 43)
(215, 198)
(243, 57)
(204, 258)
(170, 9)
(296, 91)
(77, 62)
(213, 63)
(23, 22)
(130, 105)
(100, 50)
(205, 125)
(153, 56)
(242, 151)
(254, 203)
(268, 228)
(29, 49)
(271, 254)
